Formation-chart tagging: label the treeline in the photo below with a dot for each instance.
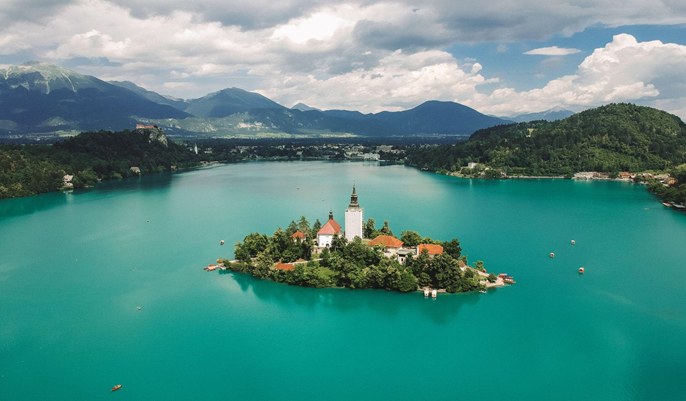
(675, 192)
(612, 138)
(27, 170)
(352, 265)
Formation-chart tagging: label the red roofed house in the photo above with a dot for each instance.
(391, 244)
(432, 249)
(325, 235)
(284, 266)
(298, 234)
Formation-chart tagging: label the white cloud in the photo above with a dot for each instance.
(652, 73)
(553, 51)
(399, 81)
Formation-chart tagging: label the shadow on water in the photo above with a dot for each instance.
(442, 310)
(32, 204)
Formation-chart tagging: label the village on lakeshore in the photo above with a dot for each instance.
(359, 256)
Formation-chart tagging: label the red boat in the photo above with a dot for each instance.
(117, 387)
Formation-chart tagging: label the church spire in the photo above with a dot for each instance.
(353, 198)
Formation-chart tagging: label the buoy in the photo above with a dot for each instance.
(117, 387)
(581, 270)
(573, 242)
(552, 255)
(222, 242)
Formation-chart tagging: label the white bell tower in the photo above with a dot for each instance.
(354, 218)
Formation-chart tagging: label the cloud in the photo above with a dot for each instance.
(399, 81)
(553, 51)
(651, 73)
(353, 54)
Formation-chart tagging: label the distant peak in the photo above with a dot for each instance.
(32, 63)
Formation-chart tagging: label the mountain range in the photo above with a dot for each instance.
(38, 97)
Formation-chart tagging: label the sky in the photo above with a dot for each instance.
(501, 57)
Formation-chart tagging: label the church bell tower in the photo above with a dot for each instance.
(354, 218)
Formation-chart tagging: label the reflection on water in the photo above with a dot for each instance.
(442, 310)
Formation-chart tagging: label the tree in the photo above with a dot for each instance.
(369, 228)
(315, 229)
(386, 230)
(453, 248)
(255, 243)
(304, 225)
(407, 282)
(479, 265)
(292, 228)
(242, 253)
(411, 238)
(338, 243)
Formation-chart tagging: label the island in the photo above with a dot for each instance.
(361, 257)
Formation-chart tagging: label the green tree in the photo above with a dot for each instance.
(369, 228)
(407, 282)
(304, 225)
(386, 230)
(292, 228)
(453, 248)
(411, 238)
(255, 243)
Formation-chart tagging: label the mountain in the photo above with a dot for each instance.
(40, 97)
(554, 114)
(304, 107)
(429, 118)
(153, 96)
(434, 117)
(612, 138)
(229, 101)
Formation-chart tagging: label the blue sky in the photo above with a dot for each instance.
(369, 55)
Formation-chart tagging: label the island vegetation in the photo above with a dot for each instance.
(355, 264)
(87, 158)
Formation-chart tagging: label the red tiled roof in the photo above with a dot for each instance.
(387, 241)
(284, 266)
(298, 234)
(432, 249)
(330, 228)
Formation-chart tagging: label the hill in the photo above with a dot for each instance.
(229, 101)
(41, 97)
(91, 156)
(612, 138)
(548, 115)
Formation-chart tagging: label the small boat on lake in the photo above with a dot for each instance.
(581, 270)
(117, 387)
(426, 292)
(434, 293)
(573, 242)
(552, 255)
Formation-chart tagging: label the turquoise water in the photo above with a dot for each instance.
(70, 330)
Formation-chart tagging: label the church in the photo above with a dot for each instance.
(354, 221)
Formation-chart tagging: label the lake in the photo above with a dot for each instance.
(75, 266)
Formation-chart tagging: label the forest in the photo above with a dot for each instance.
(612, 138)
(27, 170)
(353, 265)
